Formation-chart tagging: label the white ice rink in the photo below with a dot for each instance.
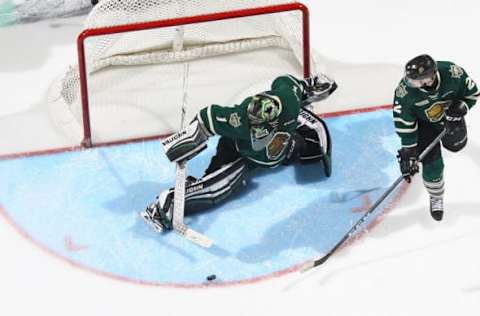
(407, 265)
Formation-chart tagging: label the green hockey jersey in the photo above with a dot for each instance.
(413, 104)
(257, 143)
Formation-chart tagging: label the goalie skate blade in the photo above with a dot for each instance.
(196, 238)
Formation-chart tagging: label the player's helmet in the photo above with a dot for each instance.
(421, 71)
(263, 108)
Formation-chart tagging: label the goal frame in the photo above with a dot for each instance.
(132, 27)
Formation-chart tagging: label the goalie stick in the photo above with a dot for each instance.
(179, 191)
(314, 263)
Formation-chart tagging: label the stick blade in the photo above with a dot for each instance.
(307, 266)
(192, 235)
(197, 238)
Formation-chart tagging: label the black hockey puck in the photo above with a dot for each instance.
(211, 277)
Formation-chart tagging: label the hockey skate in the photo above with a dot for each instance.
(159, 214)
(436, 207)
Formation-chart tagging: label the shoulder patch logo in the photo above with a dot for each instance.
(234, 120)
(401, 90)
(456, 71)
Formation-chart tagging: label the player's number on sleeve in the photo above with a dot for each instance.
(470, 83)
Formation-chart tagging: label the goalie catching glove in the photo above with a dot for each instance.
(187, 143)
(317, 88)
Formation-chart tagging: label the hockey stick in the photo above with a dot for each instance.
(314, 263)
(179, 191)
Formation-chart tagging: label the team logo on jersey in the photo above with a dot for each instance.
(456, 71)
(277, 145)
(234, 120)
(401, 90)
(435, 112)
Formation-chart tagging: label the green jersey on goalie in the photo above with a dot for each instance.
(261, 126)
(268, 129)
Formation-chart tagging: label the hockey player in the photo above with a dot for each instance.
(268, 129)
(432, 96)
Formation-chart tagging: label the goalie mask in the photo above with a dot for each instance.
(263, 109)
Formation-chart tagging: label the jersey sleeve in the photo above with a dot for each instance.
(468, 89)
(225, 121)
(289, 83)
(404, 118)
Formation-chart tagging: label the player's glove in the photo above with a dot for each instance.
(457, 108)
(318, 88)
(455, 113)
(407, 158)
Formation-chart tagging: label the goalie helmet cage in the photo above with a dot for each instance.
(127, 84)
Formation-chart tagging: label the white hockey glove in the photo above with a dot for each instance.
(318, 88)
(187, 143)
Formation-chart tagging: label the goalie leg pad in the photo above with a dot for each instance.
(187, 143)
(318, 145)
(199, 193)
(456, 137)
(216, 186)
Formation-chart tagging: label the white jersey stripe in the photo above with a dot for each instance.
(400, 120)
(406, 130)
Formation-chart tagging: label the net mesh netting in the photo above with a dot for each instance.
(136, 79)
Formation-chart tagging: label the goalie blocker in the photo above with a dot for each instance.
(187, 143)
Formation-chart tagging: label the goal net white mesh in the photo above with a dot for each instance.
(135, 78)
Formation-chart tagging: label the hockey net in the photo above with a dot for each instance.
(129, 80)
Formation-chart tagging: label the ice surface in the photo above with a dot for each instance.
(406, 265)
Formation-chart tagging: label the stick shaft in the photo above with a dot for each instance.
(311, 264)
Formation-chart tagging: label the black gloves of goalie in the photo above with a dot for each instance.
(458, 108)
(407, 158)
